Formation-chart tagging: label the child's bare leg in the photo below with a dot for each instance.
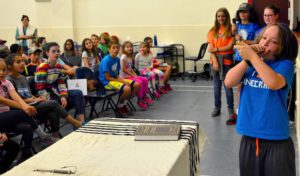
(76, 123)
(136, 88)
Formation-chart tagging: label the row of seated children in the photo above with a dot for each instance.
(16, 113)
(118, 74)
(90, 59)
(48, 76)
(87, 61)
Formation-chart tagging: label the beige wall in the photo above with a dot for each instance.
(173, 21)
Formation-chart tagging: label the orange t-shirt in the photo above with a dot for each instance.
(218, 42)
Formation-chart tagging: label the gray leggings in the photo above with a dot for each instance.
(52, 111)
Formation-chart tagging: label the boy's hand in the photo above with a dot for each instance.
(3, 138)
(247, 52)
(64, 102)
(41, 99)
(30, 110)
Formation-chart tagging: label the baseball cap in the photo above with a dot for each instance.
(244, 7)
(2, 41)
(34, 50)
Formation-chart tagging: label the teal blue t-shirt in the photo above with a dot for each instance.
(262, 111)
(248, 32)
(111, 65)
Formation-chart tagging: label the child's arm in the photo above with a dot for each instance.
(136, 62)
(30, 100)
(85, 62)
(30, 110)
(272, 79)
(41, 79)
(151, 62)
(122, 80)
(125, 70)
(109, 78)
(68, 70)
(10, 103)
(61, 86)
(227, 47)
(215, 62)
(235, 75)
(97, 59)
(213, 57)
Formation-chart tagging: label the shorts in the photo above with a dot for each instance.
(116, 85)
(267, 157)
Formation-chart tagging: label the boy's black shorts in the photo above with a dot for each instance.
(259, 157)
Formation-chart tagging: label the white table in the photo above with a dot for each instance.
(106, 147)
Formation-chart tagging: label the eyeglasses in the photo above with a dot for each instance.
(20, 61)
(55, 51)
(268, 15)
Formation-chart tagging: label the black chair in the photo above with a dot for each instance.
(194, 74)
(100, 94)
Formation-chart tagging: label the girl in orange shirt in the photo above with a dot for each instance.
(221, 49)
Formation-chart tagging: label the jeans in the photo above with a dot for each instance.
(18, 121)
(75, 100)
(52, 111)
(217, 89)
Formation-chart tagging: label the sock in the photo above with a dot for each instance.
(41, 133)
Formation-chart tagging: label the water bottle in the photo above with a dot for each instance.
(155, 40)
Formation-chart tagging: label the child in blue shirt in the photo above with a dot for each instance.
(109, 76)
(266, 73)
(245, 27)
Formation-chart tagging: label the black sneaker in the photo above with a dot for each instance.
(231, 120)
(216, 112)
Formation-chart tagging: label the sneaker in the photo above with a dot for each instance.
(142, 105)
(47, 141)
(216, 112)
(168, 87)
(162, 90)
(231, 112)
(127, 110)
(156, 94)
(231, 120)
(121, 110)
(148, 100)
(55, 139)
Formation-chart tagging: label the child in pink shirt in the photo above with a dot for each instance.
(127, 72)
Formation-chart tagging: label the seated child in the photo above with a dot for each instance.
(128, 73)
(89, 55)
(46, 109)
(109, 77)
(144, 64)
(103, 43)
(50, 83)
(166, 69)
(34, 56)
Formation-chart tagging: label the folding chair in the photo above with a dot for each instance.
(110, 94)
(194, 74)
(96, 96)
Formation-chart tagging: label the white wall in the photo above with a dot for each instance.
(173, 21)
